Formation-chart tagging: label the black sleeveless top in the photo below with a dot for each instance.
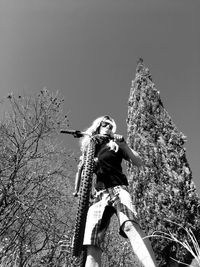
(109, 169)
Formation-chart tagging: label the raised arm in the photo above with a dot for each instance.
(130, 154)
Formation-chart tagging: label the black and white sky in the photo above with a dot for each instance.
(88, 50)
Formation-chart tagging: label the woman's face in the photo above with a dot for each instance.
(105, 128)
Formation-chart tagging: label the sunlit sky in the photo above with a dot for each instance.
(88, 51)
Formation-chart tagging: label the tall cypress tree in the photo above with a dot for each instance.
(163, 190)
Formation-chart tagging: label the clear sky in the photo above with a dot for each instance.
(88, 50)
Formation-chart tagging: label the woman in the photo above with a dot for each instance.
(111, 194)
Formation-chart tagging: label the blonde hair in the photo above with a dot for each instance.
(94, 129)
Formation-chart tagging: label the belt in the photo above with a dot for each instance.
(101, 186)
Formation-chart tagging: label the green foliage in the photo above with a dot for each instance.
(163, 188)
(190, 243)
(117, 250)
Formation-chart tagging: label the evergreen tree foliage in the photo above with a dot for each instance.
(163, 190)
(117, 250)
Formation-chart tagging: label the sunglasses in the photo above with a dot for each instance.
(105, 124)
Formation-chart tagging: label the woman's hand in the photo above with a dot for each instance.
(118, 138)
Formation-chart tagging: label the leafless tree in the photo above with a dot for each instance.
(34, 184)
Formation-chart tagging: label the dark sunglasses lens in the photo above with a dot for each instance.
(104, 124)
